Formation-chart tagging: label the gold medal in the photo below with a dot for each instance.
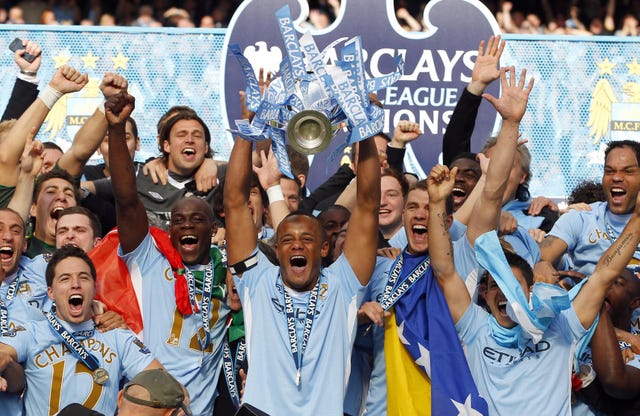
(100, 376)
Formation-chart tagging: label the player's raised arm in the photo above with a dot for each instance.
(440, 183)
(240, 230)
(361, 240)
(131, 215)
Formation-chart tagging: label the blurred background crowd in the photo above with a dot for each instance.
(574, 17)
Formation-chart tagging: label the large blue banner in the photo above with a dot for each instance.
(437, 64)
(585, 92)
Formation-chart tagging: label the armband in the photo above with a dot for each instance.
(84, 192)
(244, 265)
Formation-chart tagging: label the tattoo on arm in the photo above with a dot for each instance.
(443, 226)
(625, 241)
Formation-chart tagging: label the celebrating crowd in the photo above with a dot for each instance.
(190, 285)
(575, 17)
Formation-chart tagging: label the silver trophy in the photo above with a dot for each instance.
(310, 131)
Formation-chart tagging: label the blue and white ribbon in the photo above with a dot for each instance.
(533, 317)
(253, 88)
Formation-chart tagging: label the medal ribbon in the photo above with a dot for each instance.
(231, 366)
(392, 292)
(296, 353)
(207, 290)
(4, 314)
(4, 321)
(11, 291)
(72, 343)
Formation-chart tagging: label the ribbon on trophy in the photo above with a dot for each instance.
(311, 97)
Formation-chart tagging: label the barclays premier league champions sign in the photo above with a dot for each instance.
(417, 76)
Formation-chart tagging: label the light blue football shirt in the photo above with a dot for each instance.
(171, 336)
(271, 380)
(54, 376)
(588, 234)
(367, 386)
(19, 314)
(32, 285)
(513, 382)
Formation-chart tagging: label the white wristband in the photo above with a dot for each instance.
(275, 194)
(101, 107)
(50, 96)
(29, 78)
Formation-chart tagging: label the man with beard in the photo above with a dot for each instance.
(185, 145)
(585, 235)
(180, 290)
(300, 317)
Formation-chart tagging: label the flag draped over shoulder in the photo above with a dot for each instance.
(408, 387)
(424, 326)
(114, 286)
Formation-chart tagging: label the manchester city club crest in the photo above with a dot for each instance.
(615, 103)
(70, 113)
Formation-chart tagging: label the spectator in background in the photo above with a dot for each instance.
(185, 23)
(629, 26)
(145, 17)
(48, 17)
(207, 21)
(107, 19)
(532, 24)
(32, 10)
(559, 17)
(221, 15)
(16, 16)
(66, 11)
(173, 17)
(319, 18)
(407, 21)
(92, 10)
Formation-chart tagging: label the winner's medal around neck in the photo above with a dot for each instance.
(100, 376)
